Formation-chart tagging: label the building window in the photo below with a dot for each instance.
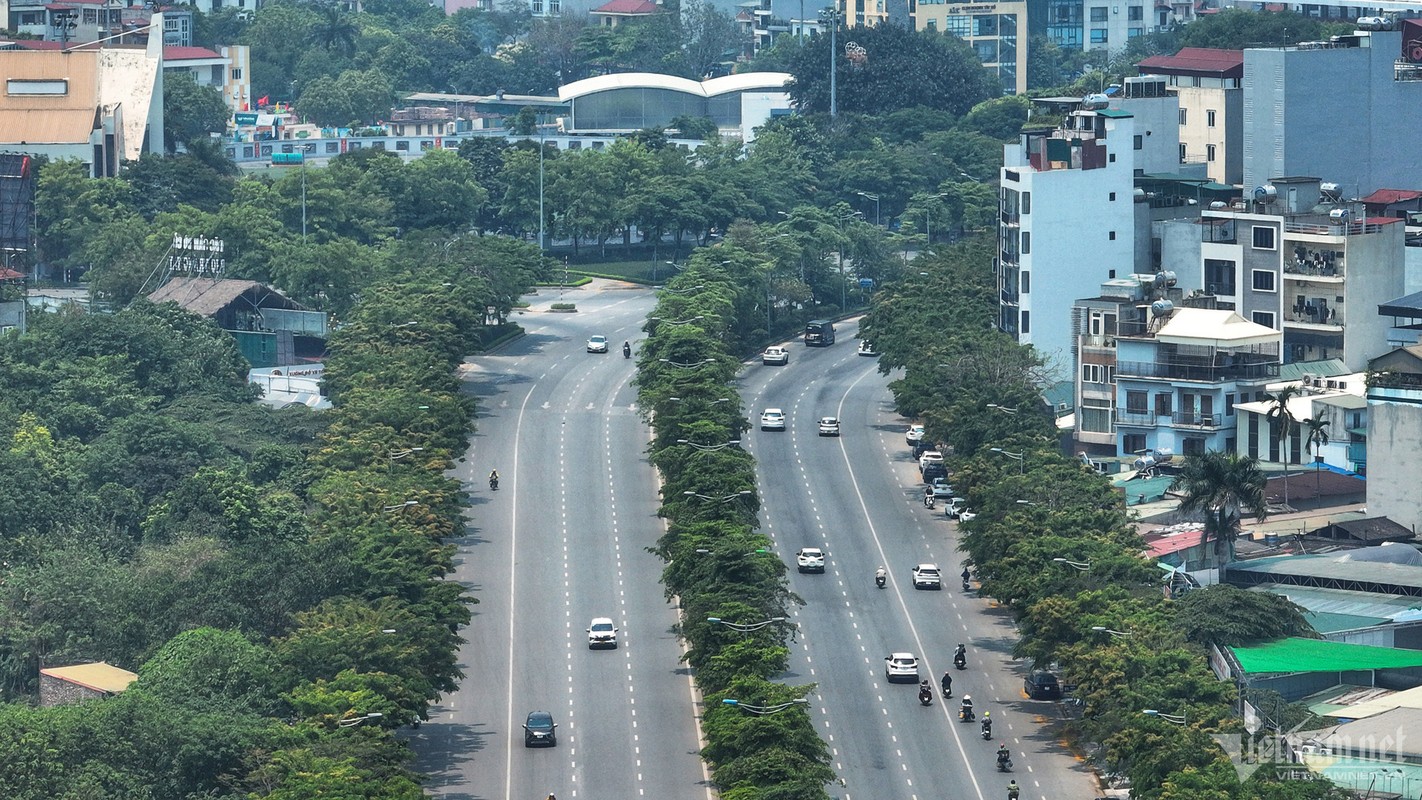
(1229, 405)
(1193, 446)
(1110, 158)
(1026, 198)
(1164, 403)
(1098, 13)
(237, 74)
(1132, 33)
(1113, 197)
(1135, 13)
(536, 7)
(1133, 443)
(1111, 235)
(1026, 321)
(1263, 280)
(1098, 36)
(1219, 276)
(1209, 152)
(958, 25)
(1184, 117)
(1209, 119)
(554, 6)
(1094, 415)
(1094, 373)
(1026, 242)
(1263, 238)
(1265, 318)
(1138, 142)
(1024, 279)
(933, 24)
(1135, 402)
(1182, 152)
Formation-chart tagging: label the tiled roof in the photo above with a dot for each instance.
(1198, 60)
(1389, 196)
(187, 53)
(627, 7)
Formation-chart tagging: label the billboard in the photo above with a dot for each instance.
(17, 200)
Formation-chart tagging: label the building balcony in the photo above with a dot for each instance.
(1011, 220)
(1305, 322)
(1009, 297)
(1197, 371)
(1313, 272)
(1137, 418)
(1106, 344)
(1332, 227)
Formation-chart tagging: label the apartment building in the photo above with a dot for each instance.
(1209, 86)
(1337, 400)
(228, 70)
(997, 32)
(1096, 25)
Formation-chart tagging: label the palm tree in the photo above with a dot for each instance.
(1317, 437)
(1283, 422)
(335, 31)
(1221, 485)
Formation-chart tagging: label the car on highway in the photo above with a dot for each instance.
(602, 633)
(866, 349)
(941, 489)
(597, 344)
(776, 356)
(914, 435)
(930, 457)
(926, 576)
(1042, 685)
(901, 667)
(539, 730)
(829, 426)
(810, 559)
(772, 419)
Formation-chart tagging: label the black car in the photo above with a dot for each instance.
(933, 471)
(538, 730)
(1042, 685)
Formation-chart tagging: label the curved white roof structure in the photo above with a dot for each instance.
(652, 80)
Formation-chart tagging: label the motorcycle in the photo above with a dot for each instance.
(1004, 764)
(965, 714)
(966, 587)
(880, 579)
(925, 696)
(960, 661)
(493, 483)
(626, 350)
(987, 729)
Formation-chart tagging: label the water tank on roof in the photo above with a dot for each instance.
(1219, 204)
(1161, 308)
(1338, 216)
(1331, 191)
(1095, 102)
(1266, 193)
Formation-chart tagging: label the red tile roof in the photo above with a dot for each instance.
(1197, 61)
(627, 7)
(1383, 220)
(1387, 197)
(171, 53)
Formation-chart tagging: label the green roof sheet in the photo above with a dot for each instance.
(1316, 655)
(1329, 622)
(1114, 113)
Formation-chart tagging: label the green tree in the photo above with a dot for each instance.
(1283, 424)
(1232, 617)
(209, 669)
(1314, 441)
(710, 38)
(1221, 485)
(190, 111)
(335, 30)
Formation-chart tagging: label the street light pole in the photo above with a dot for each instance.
(540, 190)
(834, 45)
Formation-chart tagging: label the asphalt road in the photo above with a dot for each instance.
(562, 541)
(859, 497)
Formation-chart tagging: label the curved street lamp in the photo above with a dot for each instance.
(756, 552)
(709, 499)
(696, 318)
(354, 721)
(1174, 719)
(709, 448)
(396, 455)
(763, 710)
(746, 628)
(680, 365)
(1113, 634)
(875, 198)
(1080, 566)
(1003, 409)
(398, 506)
(1020, 458)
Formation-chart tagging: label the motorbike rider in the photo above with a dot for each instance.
(1013, 790)
(965, 710)
(626, 349)
(928, 498)
(960, 657)
(987, 723)
(925, 694)
(1003, 755)
(494, 478)
(880, 575)
(947, 685)
(966, 575)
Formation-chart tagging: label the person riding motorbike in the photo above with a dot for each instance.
(960, 657)
(880, 576)
(965, 709)
(987, 724)
(1004, 757)
(928, 498)
(925, 694)
(626, 349)
(1013, 790)
(947, 685)
(494, 479)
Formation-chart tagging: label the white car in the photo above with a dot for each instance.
(597, 344)
(930, 457)
(926, 576)
(914, 435)
(810, 559)
(957, 508)
(829, 426)
(866, 349)
(901, 667)
(777, 356)
(602, 633)
(772, 419)
(967, 516)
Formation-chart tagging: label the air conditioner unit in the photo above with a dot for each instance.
(1309, 379)
(1332, 384)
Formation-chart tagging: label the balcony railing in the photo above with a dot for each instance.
(1138, 418)
(1206, 373)
(1312, 269)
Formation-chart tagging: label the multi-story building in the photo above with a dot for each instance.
(77, 21)
(1394, 429)
(1298, 259)
(1066, 221)
(1097, 25)
(997, 31)
(228, 71)
(1335, 399)
(1349, 108)
(1209, 86)
(1180, 370)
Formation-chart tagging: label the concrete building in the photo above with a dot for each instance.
(1394, 429)
(1066, 222)
(631, 101)
(1338, 400)
(997, 32)
(80, 21)
(99, 105)
(1179, 370)
(1096, 25)
(1349, 108)
(228, 71)
(1209, 86)
(95, 681)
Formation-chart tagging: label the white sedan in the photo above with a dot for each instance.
(597, 344)
(901, 667)
(772, 419)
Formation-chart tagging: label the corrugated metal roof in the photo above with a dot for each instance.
(1390, 196)
(1198, 61)
(1326, 567)
(1328, 368)
(98, 676)
(45, 126)
(1296, 654)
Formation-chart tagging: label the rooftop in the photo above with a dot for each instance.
(173, 53)
(1197, 61)
(1214, 327)
(1295, 654)
(1389, 196)
(1325, 571)
(627, 7)
(98, 676)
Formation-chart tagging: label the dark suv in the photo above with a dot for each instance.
(538, 730)
(1042, 685)
(934, 471)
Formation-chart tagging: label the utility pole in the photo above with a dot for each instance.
(540, 190)
(834, 45)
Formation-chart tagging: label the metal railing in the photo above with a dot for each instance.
(1194, 371)
(1180, 419)
(1332, 269)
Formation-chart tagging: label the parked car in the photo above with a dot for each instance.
(934, 471)
(539, 730)
(926, 576)
(772, 419)
(941, 489)
(829, 426)
(955, 507)
(930, 457)
(775, 356)
(602, 633)
(914, 435)
(810, 559)
(1042, 685)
